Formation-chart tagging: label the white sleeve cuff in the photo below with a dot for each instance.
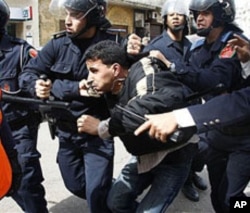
(103, 129)
(184, 118)
(245, 69)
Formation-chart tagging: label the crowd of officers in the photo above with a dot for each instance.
(60, 71)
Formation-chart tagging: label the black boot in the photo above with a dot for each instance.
(189, 190)
(199, 182)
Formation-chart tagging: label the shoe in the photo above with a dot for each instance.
(190, 192)
(199, 182)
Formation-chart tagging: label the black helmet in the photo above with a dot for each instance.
(223, 12)
(4, 15)
(94, 11)
(84, 6)
(175, 6)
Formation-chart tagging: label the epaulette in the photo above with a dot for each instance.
(197, 43)
(59, 34)
(17, 40)
(226, 36)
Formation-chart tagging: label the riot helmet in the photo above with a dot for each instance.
(4, 15)
(223, 12)
(175, 6)
(92, 10)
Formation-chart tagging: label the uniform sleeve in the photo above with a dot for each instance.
(225, 71)
(43, 64)
(214, 114)
(34, 68)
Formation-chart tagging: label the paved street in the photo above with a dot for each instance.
(61, 201)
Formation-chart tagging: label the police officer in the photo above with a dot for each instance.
(213, 62)
(85, 161)
(23, 119)
(174, 44)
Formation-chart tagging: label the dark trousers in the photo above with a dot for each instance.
(87, 169)
(31, 194)
(228, 166)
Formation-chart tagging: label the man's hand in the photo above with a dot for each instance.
(160, 56)
(88, 124)
(159, 126)
(241, 46)
(134, 44)
(86, 90)
(43, 88)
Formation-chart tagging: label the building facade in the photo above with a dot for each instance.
(141, 17)
(24, 20)
(31, 19)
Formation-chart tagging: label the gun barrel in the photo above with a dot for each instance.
(51, 103)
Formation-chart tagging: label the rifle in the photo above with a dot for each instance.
(47, 102)
(45, 107)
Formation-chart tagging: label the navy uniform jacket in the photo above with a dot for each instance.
(62, 60)
(236, 113)
(173, 51)
(210, 65)
(14, 54)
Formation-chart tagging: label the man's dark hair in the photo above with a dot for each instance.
(109, 52)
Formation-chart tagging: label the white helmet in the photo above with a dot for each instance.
(176, 6)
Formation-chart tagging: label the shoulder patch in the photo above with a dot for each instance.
(227, 52)
(32, 52)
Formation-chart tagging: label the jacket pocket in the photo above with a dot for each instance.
(9, 80)
(61, 68)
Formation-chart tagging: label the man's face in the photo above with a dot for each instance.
(204, 19)
(175, 21)
(101, 75)
(75, 21)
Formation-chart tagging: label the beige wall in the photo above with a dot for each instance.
(121, 16)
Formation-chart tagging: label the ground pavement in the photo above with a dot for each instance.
(62, 201)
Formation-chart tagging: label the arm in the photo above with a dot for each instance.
(200, 77)
(237, 110)
(52, 63)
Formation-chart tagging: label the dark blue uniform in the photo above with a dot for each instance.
(172, 50)
(228, 152)
(23, 121)
(85, 161)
